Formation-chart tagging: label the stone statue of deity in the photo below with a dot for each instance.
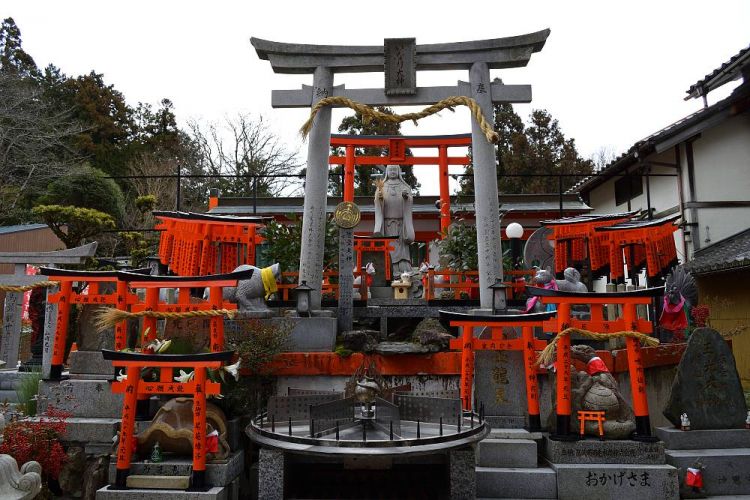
(393, 217)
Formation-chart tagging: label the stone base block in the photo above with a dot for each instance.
(514, 433)
(507, 453)
(620, 481)
(215, 493)
(217, 473)
(506, 421)
(727, 471)
(675, 439)
(9, 395)
(501, 482)
(81, 398)
(90, 363)
(158, 482)
(589, 451)
(271, 474)
(92, 430)
(463, 483)
(312, 334)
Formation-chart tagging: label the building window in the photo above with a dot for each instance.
(628, 187)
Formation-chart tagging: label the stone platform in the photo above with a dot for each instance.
(81, 398)
(590, 451)
(230, 492)
(218, 473)
(676, 439)
(724, 454)
(620, 481)
(621, 469)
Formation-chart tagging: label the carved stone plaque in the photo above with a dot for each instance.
(400, 66)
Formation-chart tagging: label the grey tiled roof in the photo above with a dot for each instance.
(727, 72)
(730, 253)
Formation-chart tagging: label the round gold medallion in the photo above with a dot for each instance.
(346, 215)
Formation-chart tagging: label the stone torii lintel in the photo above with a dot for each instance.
(425, 96)
(497, 53)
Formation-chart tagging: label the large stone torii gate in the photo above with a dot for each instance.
(400, 59)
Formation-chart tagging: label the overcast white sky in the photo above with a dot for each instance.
(611, 74)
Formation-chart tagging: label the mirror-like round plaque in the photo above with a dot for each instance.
(346, 215)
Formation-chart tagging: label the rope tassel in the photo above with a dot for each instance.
(548, 354)
(368, 113)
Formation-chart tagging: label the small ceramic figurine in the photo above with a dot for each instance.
(684, 422)
(694, 477)
(747, 420)
(156, 454)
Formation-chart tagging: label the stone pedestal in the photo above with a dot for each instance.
(81, 398)
(623, 482)
(271, 474)
(218, 473)
(724, 454)
(463, 480)
(608, 452)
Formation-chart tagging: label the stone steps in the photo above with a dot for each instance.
(727, 470)
(676, 439)
(513, 482)
(507, 453)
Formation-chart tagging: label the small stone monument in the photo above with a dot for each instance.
(707, 386)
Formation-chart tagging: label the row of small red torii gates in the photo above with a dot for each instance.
(558, 321)
(117, 289)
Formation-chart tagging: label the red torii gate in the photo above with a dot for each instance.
(575, 239)
(193, 244)
(397, 146)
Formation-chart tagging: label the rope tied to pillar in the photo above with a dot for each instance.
(368, 113)
(26, 288)
(107, 317)
(548, 354)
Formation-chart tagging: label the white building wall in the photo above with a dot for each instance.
(722, 173)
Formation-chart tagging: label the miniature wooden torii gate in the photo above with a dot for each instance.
(194, 244)
(397, 147)
(400, 59)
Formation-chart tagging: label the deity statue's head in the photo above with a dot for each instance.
(393, 172)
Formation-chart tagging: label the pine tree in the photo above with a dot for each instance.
(535, 152)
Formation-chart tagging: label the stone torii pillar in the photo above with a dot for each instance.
(400, 59)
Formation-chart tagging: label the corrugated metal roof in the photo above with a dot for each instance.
(730, 70)
(20, 227)
(730, 253)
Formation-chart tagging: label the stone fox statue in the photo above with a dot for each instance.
(250, 295)
(393, 217)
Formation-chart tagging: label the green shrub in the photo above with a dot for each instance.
(27, 390)
(87, 187)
